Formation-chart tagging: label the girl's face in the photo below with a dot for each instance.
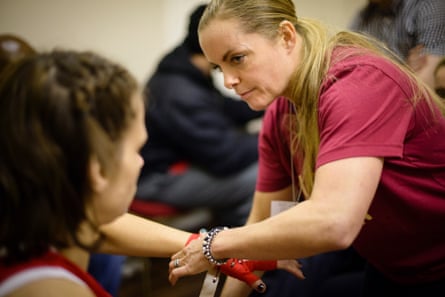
(114, 192)
(257, 68)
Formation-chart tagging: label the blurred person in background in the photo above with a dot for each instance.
(413, 29)
(200, 153)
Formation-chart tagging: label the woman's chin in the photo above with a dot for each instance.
(256, 105)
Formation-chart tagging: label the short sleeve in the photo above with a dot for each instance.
(364, 112)
(274, 171)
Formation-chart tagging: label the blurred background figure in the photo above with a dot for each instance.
(413, 29)
(439, 78)
(199, 153)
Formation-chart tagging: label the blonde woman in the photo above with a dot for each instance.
(348, 131)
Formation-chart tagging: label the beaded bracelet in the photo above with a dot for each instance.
(206, 246)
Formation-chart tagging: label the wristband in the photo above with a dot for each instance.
(193, 236)
(207, 243)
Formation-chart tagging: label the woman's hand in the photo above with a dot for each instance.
(292, 266)
(188, 261)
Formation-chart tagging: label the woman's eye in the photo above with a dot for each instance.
(238, 59)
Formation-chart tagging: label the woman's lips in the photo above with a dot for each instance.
(246, 94)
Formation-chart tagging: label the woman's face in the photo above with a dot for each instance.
(114, 192)
(257, 68)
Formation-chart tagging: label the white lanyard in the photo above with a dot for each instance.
(210, 283)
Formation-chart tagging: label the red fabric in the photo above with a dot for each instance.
(153, 209)
(56, 260)
(261, 265)
(243, 269)
(178, 167)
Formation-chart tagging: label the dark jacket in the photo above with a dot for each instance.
(188, 119)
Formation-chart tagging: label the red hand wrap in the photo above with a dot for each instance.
(243, 269)
(192, 237)
(262, 265)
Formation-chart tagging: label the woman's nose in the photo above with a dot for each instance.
(230, 80)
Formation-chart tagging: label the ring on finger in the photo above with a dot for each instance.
(176, 263)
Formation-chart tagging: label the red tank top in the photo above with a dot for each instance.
(49, 265)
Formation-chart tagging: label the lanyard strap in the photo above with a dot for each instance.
(210, 283)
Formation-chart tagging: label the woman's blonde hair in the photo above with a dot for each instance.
(264, 17)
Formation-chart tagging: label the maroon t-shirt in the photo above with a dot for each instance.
(367, 110)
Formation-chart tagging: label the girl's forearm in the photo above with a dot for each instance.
(136, 236)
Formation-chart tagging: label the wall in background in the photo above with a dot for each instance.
(135, 33)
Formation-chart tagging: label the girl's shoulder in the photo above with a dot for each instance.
(49, 286)
(48, 273)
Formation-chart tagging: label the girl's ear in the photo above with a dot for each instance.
(288, 34)
(98, 180)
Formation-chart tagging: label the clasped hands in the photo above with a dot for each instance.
(190, 260)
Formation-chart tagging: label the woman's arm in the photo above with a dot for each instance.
(136, 236)
(329, 220)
